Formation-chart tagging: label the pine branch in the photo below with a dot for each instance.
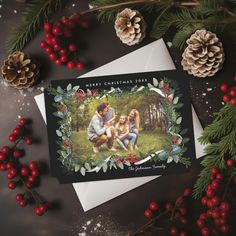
(36, 13)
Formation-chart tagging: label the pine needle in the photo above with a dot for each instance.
(36, 13)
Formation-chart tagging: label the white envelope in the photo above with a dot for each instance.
(152, 57)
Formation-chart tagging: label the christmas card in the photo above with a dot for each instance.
(119, 126)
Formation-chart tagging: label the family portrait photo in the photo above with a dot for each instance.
(124, 124)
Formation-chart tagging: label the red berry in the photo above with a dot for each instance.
(215, 214)
(12, 185)
(80, 66)
(43, 207)
(203, 216)
(183, 211)
(33, 165)
(29, 184)
(219, 176)
(5, 150)
(224, 229)
(35, 173)
(43, 44)
(13, 172)
(63, 59)
(183, 233)
(28, 141)
(200, 223)
(56, 30)
(56, 47)
(233, 102)
(230, 163)
(210, 204)
(17, 154)
(222, 221)
(37, 211)
(173, 231)
(64, 20)
(225, 206)
(12, 138)
(214, 171)
(204, 201)
(58, 62)
(48, 36)
(72, 47)
(180, 201)
(48, 50)
(2, 157)
(187, 192)
(24, 171)
(19, 197)
(210, 193)
(215, 184)
(70, 65)
(224, 88)
(233, 92)
(9, 176)
(23, 202)
(148, 213)
(177, 215)
(22, 121)
(215, 201)
(31, 179)
(224, 214)
(226, 98)
(16, 131)
(205, 231)
(3, 167)
(153, 206)
(168, 206)
(9, 165)
(63, 51)
(53, 56)
(54, 40)
(183, 220)
(67, 33)
(47, 26)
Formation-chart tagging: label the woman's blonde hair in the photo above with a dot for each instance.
(125, 123)
(136, 118)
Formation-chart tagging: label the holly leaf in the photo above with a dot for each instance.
(77, 168)
(82, 171)
(104, 168)
(58, 98)
(59, 133)
(169, 159)
(179, 120)
(150, 85)
(69, 87)
(155, 82)
(176, 99)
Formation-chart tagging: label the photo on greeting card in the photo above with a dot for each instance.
(119, 126)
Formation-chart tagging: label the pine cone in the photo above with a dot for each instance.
(19, 71)
(130, 26)
(204, 55)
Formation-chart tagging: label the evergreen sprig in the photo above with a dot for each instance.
(36, 13)
(221, 139)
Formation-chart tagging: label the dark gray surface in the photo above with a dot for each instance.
(121, 214)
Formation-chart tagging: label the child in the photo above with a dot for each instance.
(134, 121)
(109, 119)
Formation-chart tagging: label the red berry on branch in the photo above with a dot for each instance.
(28, 184)
(63, 51)
(215, 214)
(5, 150)
(43, 207)
(56, 47)
(200, 223)
(219, 176)
(9, 165)
(70, 24)
(35, 172)
(37, 211)
(24, 171)
(16, 131)
(210, 204)
(187, 192)
(70, 65)
(183, 233)
(19, 197)
(224, 88)
(33, 165)
(168, 206)
(9, 176)
(17, 154)
(67, 33)
(2, 157)
(230, 163)
(28, 141)
(205, 231)
(80, 66)
(215, 200)
(173, 231)
(54, 40)
(12, 138)
(12, 185)
(43, 44)
(47, 26)
(226, 98)
(214, 171)
(183, 211)
(13, 172)
(3, 167)
(183, 220)
(63, 59)
(31, 179)
(148, 213)
(56, 31)
(48, 36)
(215, 184)
(177, 215)
(23, 202)
(72, 47)
(203, 216)
(48, 50)
(153, 206)
(224, 214)
(233, 92)
(204, 201)
(225, 206)
(224, 229)
(210, 193)
(233, 102)
(58, 62)
(53, 56)
(180, 201)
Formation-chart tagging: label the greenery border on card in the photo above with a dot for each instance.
(170, 102)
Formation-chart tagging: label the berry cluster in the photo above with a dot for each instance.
(61, 41)
(214, 220)
(18, 174)
(177, 212)
(229, 93)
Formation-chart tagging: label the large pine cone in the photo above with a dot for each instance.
(130, 26)
(19, 71)
(204, 55)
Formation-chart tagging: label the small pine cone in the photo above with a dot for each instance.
(130, 26)
(204, 55)
(19, 71)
